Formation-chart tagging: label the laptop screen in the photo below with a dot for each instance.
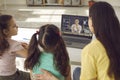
(75, 25)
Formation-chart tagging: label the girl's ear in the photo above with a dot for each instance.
(5, 31)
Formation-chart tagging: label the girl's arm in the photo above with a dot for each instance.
(23, 52)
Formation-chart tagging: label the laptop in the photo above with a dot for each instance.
(75, 31)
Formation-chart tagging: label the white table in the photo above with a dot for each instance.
(4, 5)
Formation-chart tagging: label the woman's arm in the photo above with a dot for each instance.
(69, 74)
(45, 76)
(88, 63)
(72, 28)
(93, 79)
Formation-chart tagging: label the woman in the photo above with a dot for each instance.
(76, 27)
(100, 58)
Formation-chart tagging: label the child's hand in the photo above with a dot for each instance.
(25, 45)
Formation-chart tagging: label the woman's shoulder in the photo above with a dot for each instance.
(15, 45)
(94, 44)
(94, 47)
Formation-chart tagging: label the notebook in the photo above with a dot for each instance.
(75, 31)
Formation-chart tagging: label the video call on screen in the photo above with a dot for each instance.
(69, 20)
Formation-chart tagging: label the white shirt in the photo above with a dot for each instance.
(76, 28)
(7, 60)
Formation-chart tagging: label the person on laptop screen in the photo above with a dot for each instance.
(76, 27)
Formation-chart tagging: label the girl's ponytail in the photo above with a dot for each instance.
(33, 53)
(61, 57)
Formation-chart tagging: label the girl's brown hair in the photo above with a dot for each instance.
(4, 24)
(53, 42)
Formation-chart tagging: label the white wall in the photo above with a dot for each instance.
(112, 2)
(85, 2)
(1, 2)
(16, 2)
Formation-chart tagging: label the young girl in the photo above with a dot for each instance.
(9, 49)
(47, 51)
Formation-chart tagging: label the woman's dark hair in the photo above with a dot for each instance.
(50, 40)
(107, 30)
(4, 24)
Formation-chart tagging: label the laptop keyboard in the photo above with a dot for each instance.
(76, 42)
